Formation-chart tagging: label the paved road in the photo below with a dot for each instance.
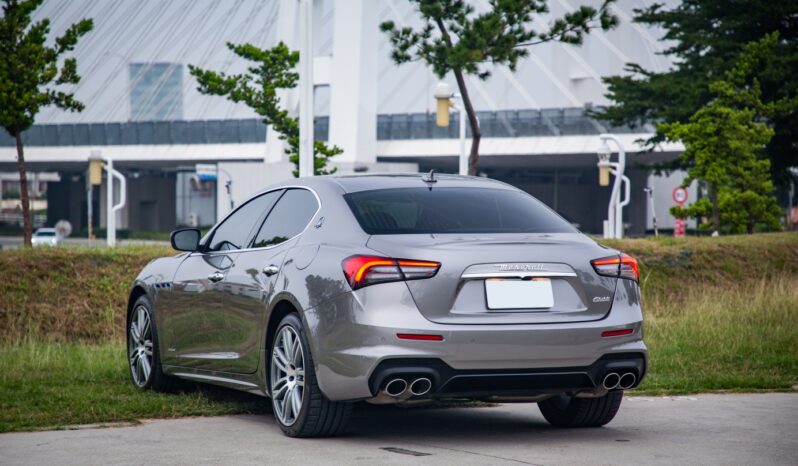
(706, 429)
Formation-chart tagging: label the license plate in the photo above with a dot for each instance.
(519, 294)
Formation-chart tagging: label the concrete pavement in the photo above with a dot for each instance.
(704, 429)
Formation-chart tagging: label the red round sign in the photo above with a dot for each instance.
(679, 195)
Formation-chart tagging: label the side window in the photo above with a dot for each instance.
(288, 218)
(235, 229)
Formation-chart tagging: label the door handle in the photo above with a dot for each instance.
(270, 270)
(216, 277)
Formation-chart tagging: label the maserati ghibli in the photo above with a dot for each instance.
(390, 289)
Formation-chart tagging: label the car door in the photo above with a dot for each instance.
(196, 330)
(254, 278)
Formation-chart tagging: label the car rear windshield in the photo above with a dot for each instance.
(453, 210)
(45, 233)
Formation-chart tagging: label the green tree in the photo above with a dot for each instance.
(723, 140)
(707, 36)
(31, 76)
(452, 38)
(272, 69)
(721, 143)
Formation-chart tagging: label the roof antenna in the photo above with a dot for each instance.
(430, 177)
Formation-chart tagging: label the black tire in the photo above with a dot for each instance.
(156, 380)
(318, 416)
(564, 410)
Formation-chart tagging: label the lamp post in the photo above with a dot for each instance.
(111, 208)
(306, 88)
(444, 96)
(613, 226)
(95, 178)
(650, 192)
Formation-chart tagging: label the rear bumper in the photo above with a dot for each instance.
(353, 339)
(449, 382)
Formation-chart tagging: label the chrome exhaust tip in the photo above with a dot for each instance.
(421, 386)
(627, 381)
(611, 380)
(395, 387)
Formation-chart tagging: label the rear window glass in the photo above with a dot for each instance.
(453, 210)
(45, 233)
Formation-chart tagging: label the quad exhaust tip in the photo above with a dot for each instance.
(614, 380)
(627, 381)
(421, 386)
(395, 387)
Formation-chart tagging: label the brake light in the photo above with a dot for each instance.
(623, 266)
(362, 271)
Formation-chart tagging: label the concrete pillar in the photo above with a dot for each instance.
(353, 86)
(287, 28)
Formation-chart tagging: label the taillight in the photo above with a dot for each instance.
(362, 271)
(622, 266)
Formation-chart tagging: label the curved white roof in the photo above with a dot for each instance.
(195, 32)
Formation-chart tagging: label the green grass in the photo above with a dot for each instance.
(52, 385)
(724, 339)
(721, 314)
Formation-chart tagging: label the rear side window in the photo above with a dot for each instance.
(288, 218)
(453, 210)
(235, 230)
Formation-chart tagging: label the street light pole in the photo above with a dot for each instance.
(613, 226)
(111, 208)
(650, 192)
(306, 159)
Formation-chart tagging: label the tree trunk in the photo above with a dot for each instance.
(713, 195)
(476, 133)
(23, 191)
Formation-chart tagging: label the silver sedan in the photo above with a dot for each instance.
(389, 289)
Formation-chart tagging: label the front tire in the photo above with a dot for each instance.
(143, 352)
(299, 406)
(564, 410)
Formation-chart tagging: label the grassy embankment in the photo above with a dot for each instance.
(721, 315)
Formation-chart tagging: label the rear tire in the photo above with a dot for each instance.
(143, 351)
(564, 410)
(292, 379)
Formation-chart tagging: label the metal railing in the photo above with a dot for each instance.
(505, 123)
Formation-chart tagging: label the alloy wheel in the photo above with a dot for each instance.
(287, 375)
(139, 346)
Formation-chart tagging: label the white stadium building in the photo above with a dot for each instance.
(144, 112)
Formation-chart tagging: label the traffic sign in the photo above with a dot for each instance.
(679, 195)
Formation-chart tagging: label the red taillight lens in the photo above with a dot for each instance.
(362, 271)
(622, 266)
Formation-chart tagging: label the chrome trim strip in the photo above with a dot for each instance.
(516, 274)
(220, 355)
(212, 378)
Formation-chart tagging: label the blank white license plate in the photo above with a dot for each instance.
(519, 294)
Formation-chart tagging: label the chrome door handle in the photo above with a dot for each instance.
(216, 277)
(270, 270)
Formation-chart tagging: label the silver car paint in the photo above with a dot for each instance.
(351, 332)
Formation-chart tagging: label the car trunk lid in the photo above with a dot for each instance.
(505, 278)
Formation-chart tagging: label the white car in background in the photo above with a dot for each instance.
(46, 237)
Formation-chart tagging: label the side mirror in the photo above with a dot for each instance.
(186, 239)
